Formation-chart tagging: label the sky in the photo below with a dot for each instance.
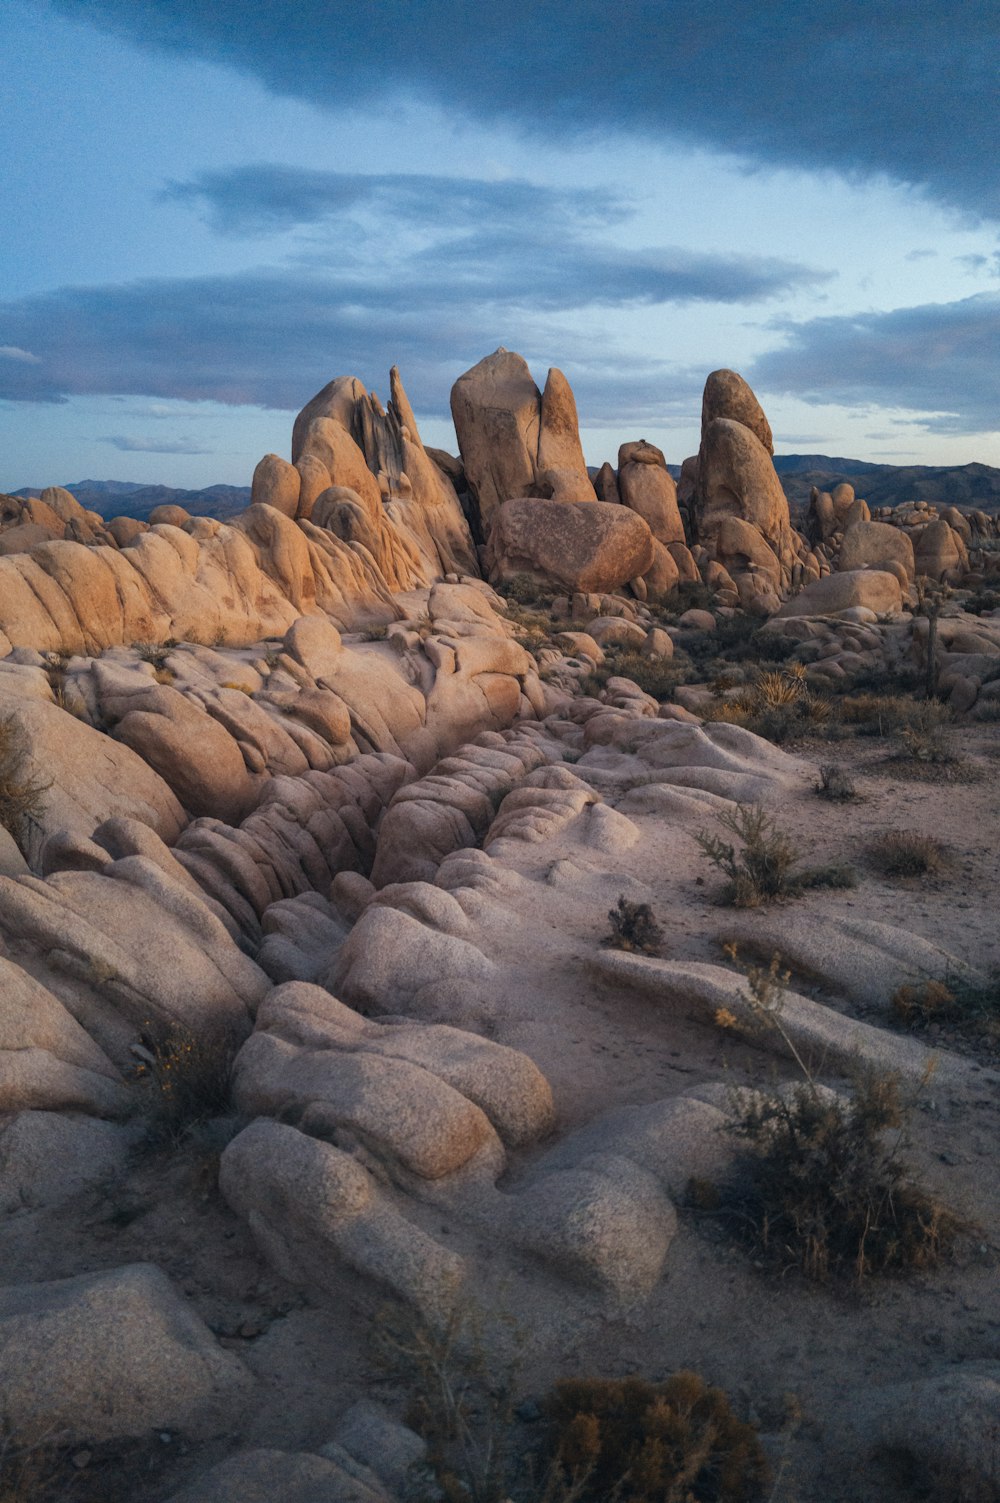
(211, 208)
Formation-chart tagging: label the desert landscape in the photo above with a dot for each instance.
(501, 985)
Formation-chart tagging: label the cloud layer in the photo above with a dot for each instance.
(898, 89)
(429, 271)
(942, 359)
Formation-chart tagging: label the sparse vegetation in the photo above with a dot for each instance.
(28, 1469)
(646, 1442)
(461, 1401)
(959, 1002)
(777, 704)
(633, 927)
(822, 1191)
(905, 853)
(187, 1078)
(154, 652)
(820, 1187)
(22, 796)
(627, 1440)
(764, 867)
(836, 784)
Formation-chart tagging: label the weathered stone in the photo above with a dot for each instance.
(727, 395)
(594, 547)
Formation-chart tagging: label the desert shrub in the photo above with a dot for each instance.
(776, 704)
(523, 590)
(461, 1400)
(904, 853)
(29, 1470)
(656, 676)
(154, 652)
(982, 601)
(836, 784)
(186, 1077)
(959, 1002)
(633, 927)
(923, 735)
(819, 1189)
(640, 1442)
(687, 595)
(765, 865)
(878, 714)
(22, 796)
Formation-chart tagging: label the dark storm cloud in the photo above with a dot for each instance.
(941, 359)
(895, 88)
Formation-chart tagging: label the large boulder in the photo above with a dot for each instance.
(497, 411)
(592, 548)
(84, 776)
(873, 545)
(727, 395)
(111, 1355)
(875, 589)
(559, 446)
(940, 552)
(276, 483)
(647, 487)
(736, 478)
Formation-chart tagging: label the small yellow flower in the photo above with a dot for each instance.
(725, 1019)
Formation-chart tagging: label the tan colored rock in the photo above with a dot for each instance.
(727, 395)
(559, 446)
(276, 483)
(63, 503)
(737, 479)
(497, 411)
(740, 548)
(683, 558)
(606, 485)
(193, 754)
(110, 1355)
(561, 485)
(940, 552)
(872, 545)
(169, 516)
(663, 575)
(84, 775)
(649, 489)
(594, 547)
(875, 589)
(125, 530)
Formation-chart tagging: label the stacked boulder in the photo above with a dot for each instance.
(749, 552)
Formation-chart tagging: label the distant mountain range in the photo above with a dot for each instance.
(123, 498)
(975, 486)
(967, 485)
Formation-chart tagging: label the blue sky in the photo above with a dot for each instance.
(211, 209)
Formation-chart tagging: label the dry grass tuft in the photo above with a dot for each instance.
(646, 1442)
(904, 853)
(22, 797)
